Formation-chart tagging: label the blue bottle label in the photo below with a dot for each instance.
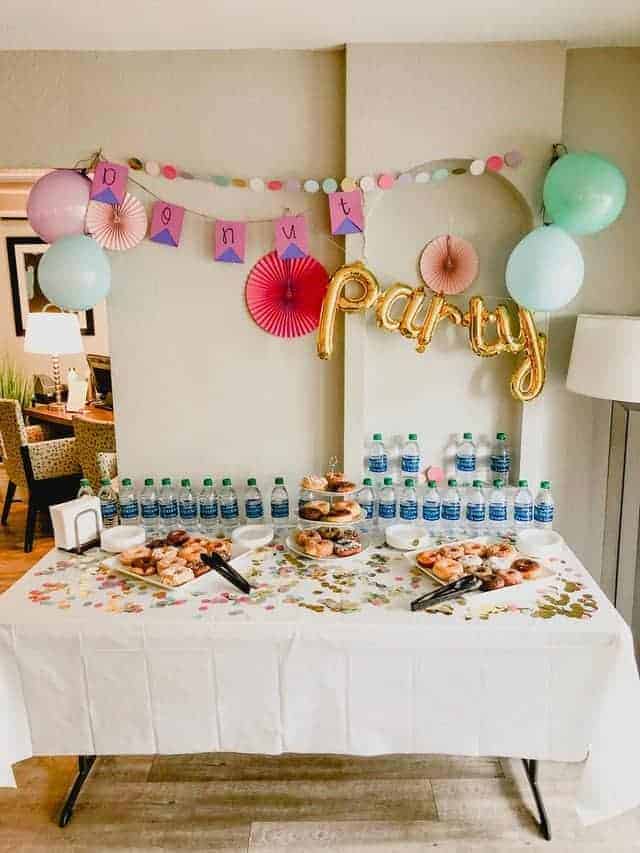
(476, 512)
(378, 464)
(279, 509)
(523, 512)
(109, 510)
(465, 463)
(497, 512)
(150, 510)
(169, 510)
(188, 511)
(229, 510)
(387, 510)
(129, 509)
(408, 510)
(500, 464)
(209, 510)
(543, 513)
(411, 464)
(431, 510)
(451, 511)
(367, 510)
(253, 508)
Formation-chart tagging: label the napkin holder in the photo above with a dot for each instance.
(77, 524)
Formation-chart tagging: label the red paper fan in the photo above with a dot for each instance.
(448, 264)
(285, 297)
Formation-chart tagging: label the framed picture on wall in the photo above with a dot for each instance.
(23, 257)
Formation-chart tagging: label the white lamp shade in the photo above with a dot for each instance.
(605, 358)
(53, 334)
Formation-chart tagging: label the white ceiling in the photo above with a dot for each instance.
(191, 24)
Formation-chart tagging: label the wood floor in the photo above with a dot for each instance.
(290, 804)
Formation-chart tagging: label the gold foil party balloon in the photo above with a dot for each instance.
(386, 303)
(527, 380)
(439, 309)
(336, 297)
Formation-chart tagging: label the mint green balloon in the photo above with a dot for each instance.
(545, 270)
(74, 273)
(584, 193)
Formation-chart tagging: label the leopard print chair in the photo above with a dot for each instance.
(46, 469)
(96, 449)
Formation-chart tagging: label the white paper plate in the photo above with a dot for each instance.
(408, 537)
(297, 550)
(250, 536)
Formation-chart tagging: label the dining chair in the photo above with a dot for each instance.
(96, 448)
(45, 468)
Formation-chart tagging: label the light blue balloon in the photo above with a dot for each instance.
(74, 273)
(545, 270)
(584, 193)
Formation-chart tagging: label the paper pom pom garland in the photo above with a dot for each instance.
(448, 264)
(117, 226)
(285, 297)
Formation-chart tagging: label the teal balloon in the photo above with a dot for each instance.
(584, 193)
(74, 273)
(545, 270)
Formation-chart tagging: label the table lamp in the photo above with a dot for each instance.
(53, 334)
(605, 358)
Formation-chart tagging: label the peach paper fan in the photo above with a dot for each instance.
(448, 264)
(117, 226)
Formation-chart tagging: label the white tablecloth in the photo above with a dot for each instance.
(323, 658)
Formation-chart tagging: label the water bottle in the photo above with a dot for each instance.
(410, 461)
(228, 505)
(522, 507)
(108, 503)
(451, 510)
(501, 458)
(149, 507)
(304, 497)
(85, 490)
(498, 509)
(387, 502)
(377, 455)
(431, 506)
(476, 511)
(366, 497)
(208, 507)
(280, 502)
(253, 507)
(187, 507)
(129, 506)
(466, 459)
(409, 501)
(545, 507)
(168, 506)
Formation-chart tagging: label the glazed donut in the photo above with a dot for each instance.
(447, 569)
(493, 582)
(511, 577)
(140, 552)
(502, 550)
(339, 515)
(164, 553)
(426, 559)
(219, 546)
(475, 549)
(529, 569)
(164, 565)
(323, 548)
(333, 477)
(314, 482)
(305, 536)
(452, 552)
(483, 572)
(310, 513)
(143, 567)
(342, 486)
(470, 562)
(346, 547)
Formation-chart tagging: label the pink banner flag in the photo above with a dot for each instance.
(230, 241)
(345, 210)
(109, 183)
(166, 223)
(292, 237)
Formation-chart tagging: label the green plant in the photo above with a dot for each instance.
(14, 383)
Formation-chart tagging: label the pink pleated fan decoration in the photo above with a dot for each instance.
(448, 264)
(285, 297)
(117, 226)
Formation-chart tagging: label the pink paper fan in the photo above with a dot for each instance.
(448, 264)
(117, 226)
(285, 297)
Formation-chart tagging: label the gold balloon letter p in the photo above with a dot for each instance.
(336, 298)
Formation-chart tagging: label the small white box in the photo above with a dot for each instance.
(63, 518)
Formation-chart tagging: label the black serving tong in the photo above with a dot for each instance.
(467, 583)
(215, 562)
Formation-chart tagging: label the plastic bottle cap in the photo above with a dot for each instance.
(413, 436)
(186, 483)
(377, 436)
(478, 484)
(453, 482)
(148, 481)
(166, 481)
(125, 482)
(388, 481)
(105, 481)
(545, 484)
(367, 481)
(409, 482)
(207, 481)
(498, 483)
(226, 481)
(467, 435)
(85, 482)
(279, 481)
(432, 484)
(251, 481)
(523, 484)
(501, 436)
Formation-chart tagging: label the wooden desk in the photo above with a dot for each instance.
(41, 413)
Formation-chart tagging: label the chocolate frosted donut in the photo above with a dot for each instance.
(529, 569)
(494, 582)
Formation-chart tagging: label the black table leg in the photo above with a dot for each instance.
(531, 769)
(85, 763)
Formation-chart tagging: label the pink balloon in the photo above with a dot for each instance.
(57, 204)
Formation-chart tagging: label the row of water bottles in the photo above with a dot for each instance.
(169, 508)
(453, 515)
